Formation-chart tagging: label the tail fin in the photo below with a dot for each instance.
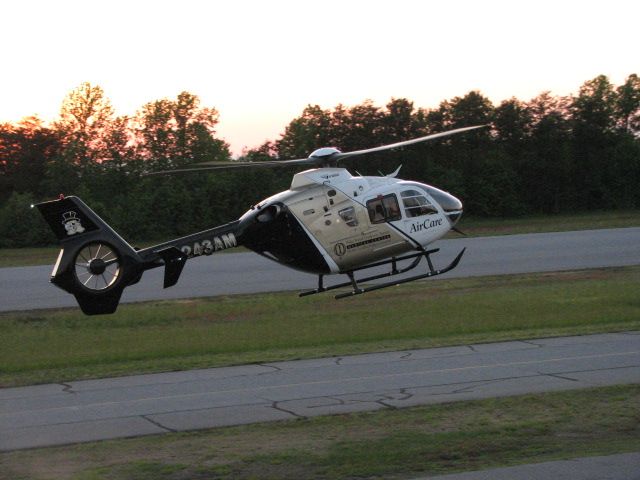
(95, 263)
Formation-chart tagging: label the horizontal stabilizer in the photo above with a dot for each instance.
(174, 260)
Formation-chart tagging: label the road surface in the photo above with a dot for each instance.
(87, 410)
(624, 466)
(230, 273)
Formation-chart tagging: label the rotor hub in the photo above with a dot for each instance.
(324, 152)
(97, 266)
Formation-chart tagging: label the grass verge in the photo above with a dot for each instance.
(473, 227)
(62, 345)
(476, 227)
(25, 257)
(391, 444)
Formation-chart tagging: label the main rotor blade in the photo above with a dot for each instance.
(325, 159)
(266, 163)
(230, 165)
(343, 155)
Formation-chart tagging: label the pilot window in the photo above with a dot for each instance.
(384, 209)
(416, 204)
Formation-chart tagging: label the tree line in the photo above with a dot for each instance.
(550, 154)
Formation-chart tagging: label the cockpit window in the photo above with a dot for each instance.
(448, 202)
(416, 204)
(384, 209)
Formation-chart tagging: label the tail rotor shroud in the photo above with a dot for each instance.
(97, 267)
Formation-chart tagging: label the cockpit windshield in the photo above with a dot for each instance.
(448, 202)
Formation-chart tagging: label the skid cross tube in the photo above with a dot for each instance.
(394, 271)
(356, 290)
(432, 273)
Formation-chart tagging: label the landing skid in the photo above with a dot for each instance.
(356, 290)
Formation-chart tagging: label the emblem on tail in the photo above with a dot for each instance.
(72, 223)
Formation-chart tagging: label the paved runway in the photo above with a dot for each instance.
(229, 273)
(176, 401)
(624, 466)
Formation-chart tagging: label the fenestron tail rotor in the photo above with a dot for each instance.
(97, 266)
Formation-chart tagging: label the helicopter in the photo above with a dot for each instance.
(329, 222)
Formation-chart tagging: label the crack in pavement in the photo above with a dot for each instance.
(555, 375)
(386, 405)
(267, 365)
(598, 369)
(407, 395)
(276, 406)
(67, 388)
(158, 424)
(471, 388)
(468, 386)
(529, 342)
(339, 401)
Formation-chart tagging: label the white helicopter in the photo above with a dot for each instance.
(328, 222)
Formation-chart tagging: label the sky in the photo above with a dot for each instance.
(259, 63)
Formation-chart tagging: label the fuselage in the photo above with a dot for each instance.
(332, 222)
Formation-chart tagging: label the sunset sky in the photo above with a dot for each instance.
(260, 62)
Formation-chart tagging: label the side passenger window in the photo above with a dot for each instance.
(384, 209)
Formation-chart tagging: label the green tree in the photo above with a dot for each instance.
(594, 136)
(21, 225)
(628, 105)
(305, 133)
(84, 117)
(594, 107)
(512, 121)
(472, 109)
(546, 167)
(24, 150)
(175, 133)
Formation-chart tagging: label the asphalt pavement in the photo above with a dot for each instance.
(25, 288)
(625, 466)
(54, 414)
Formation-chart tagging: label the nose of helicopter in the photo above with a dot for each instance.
(454, 212)
(451, 205)
(454, 217)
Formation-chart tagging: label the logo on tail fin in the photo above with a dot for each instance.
(72, 223)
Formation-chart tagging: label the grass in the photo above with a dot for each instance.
(25, 257)
(61, 345)
(474, 226)
(22, 257)
(403, 443)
